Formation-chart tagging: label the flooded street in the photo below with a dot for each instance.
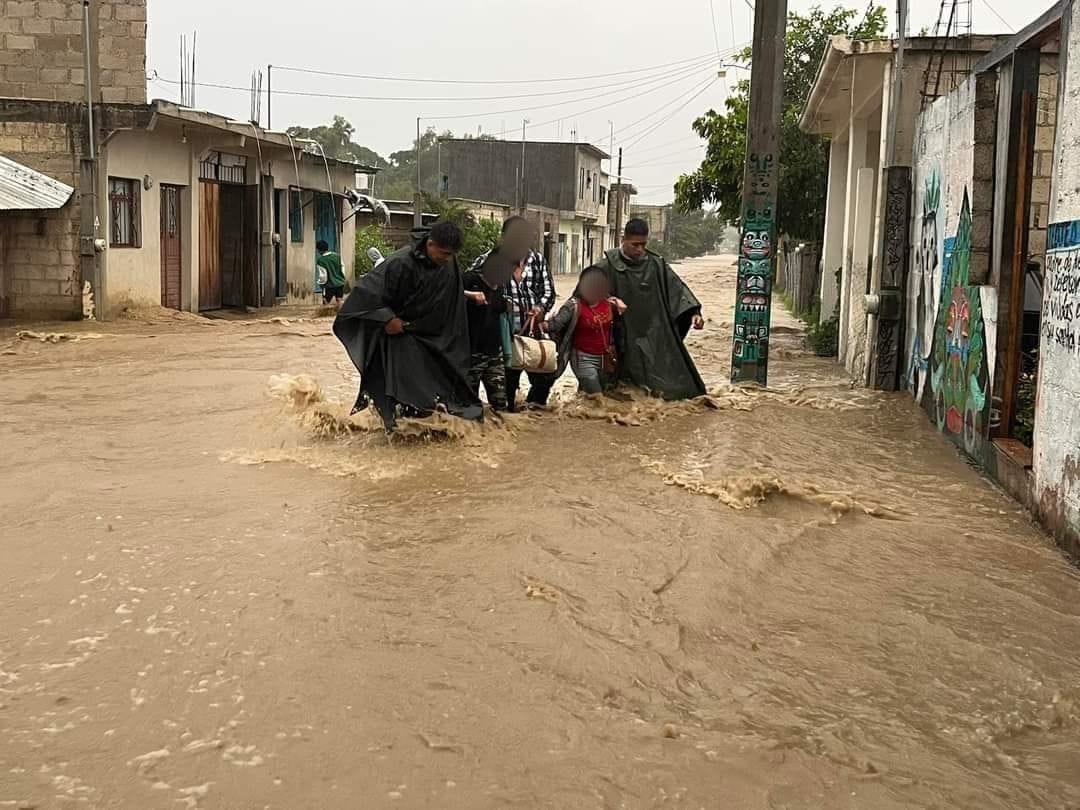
(218, 597)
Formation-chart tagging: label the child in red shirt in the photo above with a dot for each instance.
(583, 327)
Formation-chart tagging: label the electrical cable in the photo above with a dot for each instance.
(652, 161)
(663, 121)
(650, 115)
(489, 81)
(635, 92)
(348, 97)
(994, 11)
(669, 143)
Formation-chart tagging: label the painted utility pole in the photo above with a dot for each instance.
(757, 257)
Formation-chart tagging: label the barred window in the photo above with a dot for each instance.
(123, 212)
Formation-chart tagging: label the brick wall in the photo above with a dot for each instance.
(42, 55)
(39, 251)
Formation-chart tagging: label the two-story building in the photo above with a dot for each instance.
(559, 186)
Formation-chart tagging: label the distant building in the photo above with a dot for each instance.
(619, 204)
(561, 187)
(658, 217)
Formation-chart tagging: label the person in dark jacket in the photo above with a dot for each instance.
(533, 298)
(405, 329)
(486, 306)
(662, 309)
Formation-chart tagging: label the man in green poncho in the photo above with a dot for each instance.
(661, 309)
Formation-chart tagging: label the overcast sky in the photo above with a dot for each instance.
(490, 40)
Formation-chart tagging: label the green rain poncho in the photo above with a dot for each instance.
(650, 339)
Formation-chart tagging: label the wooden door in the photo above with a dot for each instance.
(210, 247)
(170, 247)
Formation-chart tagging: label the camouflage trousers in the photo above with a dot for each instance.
(490, 370)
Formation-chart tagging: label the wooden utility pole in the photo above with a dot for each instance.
(757, 256)
(418, 205)
(618, 202)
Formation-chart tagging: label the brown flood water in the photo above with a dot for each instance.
(800, 598)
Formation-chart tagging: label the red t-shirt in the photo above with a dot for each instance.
(593, 332)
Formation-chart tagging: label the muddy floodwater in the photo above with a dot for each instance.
(217, 591)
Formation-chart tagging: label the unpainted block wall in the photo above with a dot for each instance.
(40, 255)
(42, 54)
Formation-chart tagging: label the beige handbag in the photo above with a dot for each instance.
(531, 354)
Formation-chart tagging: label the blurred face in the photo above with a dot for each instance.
(633, 247)
(439, 254)
(519, 237)
(594, 288)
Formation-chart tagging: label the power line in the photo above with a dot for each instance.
(633, 124)
(653, 160)
(669, 143)
(490, 81)
(349, 97)
(635, 92)
(995, 13)
(660, 110)
(715, 31)
(671, 115)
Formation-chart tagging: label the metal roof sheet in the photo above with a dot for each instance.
(23, 189)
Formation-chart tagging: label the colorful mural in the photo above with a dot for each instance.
(926, 283)
(959, 371)
(753, 301)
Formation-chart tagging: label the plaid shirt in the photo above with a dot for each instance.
(537, 287)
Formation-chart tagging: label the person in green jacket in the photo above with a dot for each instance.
(661, 309)
(328, 271)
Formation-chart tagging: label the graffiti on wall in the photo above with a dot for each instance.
(1061, 288)
(926, 281)
(960, 372)
(750, 349)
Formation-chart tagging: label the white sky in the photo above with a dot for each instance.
(489, 40)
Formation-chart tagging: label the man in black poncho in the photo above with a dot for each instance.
(660, 311)
(404, 328)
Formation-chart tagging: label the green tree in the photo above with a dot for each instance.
(478, 235)
(336, 141)
(369, 237)
(803, 157)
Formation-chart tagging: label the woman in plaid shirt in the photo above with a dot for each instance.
(532, 298)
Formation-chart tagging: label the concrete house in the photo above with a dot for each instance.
(958, 258)
(169, 206)
(850, 104)
(559, 186)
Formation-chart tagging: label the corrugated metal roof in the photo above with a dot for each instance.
(23, 189)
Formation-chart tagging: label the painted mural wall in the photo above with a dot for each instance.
(951, 321)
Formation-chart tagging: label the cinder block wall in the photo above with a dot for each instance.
(1043, 166)
(40, 250)
(42, 54)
